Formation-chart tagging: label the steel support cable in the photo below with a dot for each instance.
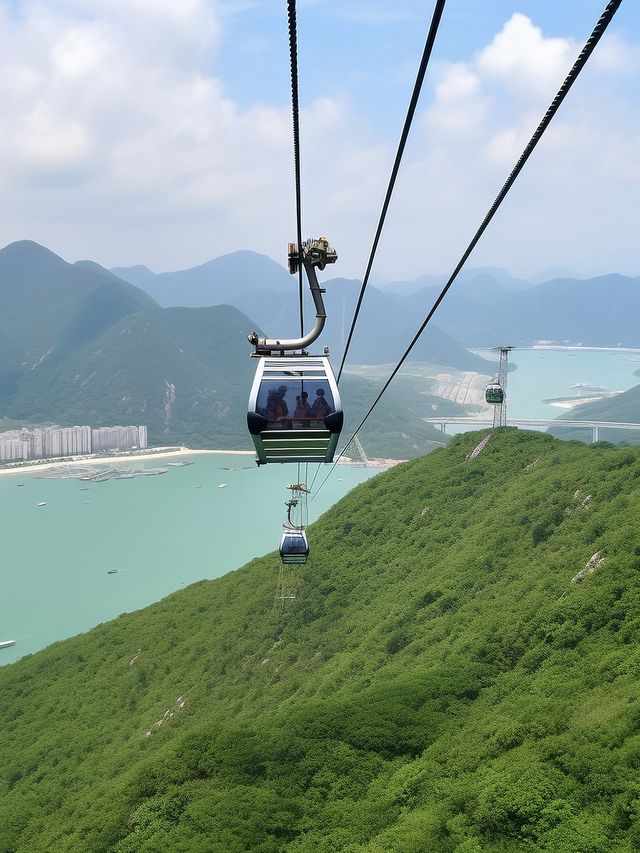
(598, 31)
(413, 103)
(305, 520)
(315, 476)
(295, 110)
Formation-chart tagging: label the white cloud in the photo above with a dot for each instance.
(119, 142)
(577, 194)
(460, 104)
(521, 58)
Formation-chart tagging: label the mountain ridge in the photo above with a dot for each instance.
(485, 307)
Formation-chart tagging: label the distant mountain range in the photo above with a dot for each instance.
(80, 345)
(224, 279)
(485, 308)
(600, 311)
(265, 291)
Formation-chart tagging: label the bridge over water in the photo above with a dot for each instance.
(531, 423)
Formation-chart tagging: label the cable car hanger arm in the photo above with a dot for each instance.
(315, 253)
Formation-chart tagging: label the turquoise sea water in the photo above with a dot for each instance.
(160, 533)
(545, 374)
(542, 374)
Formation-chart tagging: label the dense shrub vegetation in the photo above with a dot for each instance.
(440, 683)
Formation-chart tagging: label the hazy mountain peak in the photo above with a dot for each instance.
(220, 280)
(553, 272)
(28, 251)
(141, 268)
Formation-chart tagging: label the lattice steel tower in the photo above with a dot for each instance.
(500, 410)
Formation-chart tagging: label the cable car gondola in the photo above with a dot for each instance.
(494, 394)
(294, 547)
(294, 412)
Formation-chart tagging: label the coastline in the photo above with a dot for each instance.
(35, 465)
(30, 465)
(581, 348)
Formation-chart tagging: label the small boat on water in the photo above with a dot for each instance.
(20, 485)
(42, 503)
(222, 486)
(4, 644)
(112, 571)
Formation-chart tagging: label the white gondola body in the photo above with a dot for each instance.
(294, 547)
(294, 413)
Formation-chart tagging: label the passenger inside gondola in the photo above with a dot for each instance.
(302, 410)
(288, 407)
(320, 406)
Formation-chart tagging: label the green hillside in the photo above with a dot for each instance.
(150, 368)
(46, 304)
(82, 346)
(445, 682)
(395, 430)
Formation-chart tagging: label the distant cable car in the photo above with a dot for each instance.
(294, 547)
(294, 412)
(494, 394)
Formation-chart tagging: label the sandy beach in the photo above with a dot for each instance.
(151, 453)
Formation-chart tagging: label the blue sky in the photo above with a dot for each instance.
(156, 132)
(370, 48)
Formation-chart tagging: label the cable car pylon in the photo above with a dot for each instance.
(496, 392)
(496, 395)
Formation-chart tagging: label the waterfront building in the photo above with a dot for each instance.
(13, 448)
(54, 441)
(118, 438)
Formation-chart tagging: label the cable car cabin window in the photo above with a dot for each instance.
(294, 412)
(296, 404)
(294, 545)
(494, 394)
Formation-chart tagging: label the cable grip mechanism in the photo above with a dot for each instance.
(314, 253)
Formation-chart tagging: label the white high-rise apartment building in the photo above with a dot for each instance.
(118, 438)
(47, 442)
(12, 448)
